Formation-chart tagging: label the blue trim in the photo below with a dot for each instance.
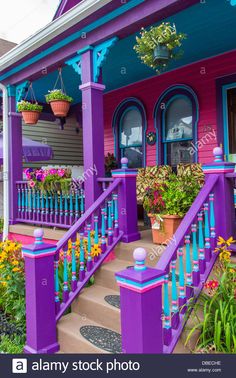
(225, 89)
(38, 253)
(20, 90)
(138, 284)
(73, 37)
(134, 102)
(189, 93)
(11, 90)
(75, 62)
(100, 54)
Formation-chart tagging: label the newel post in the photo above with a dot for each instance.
(40, 303)
(222, 212)
(141, 307)
(127, 202)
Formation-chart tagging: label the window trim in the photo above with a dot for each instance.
(168, 95)
(119, 113)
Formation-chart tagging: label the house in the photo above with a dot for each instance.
(189, 108)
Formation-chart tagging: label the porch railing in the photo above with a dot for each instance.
(191, 254)
(49, 208)
(56, 274)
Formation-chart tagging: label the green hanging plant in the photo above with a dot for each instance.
(156, 47)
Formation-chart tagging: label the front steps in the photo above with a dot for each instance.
(91, 308)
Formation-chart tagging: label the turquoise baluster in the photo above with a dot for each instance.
(34, 204)
(196, 272)
(103, 231)
(96, 236)
(57, 288)
(207, 233)
(76, 204)
(30, 203)
(71, 209)
(42, 207)
(81, 201)
(110, 229)
(167, 318)
(202, 261)
(65, 278)
(47, 207)
(89, 260)
(56, 208)
(182, 296)
(212, 221)
(174, 292)
(73, 267)
(66, 209)
(61, 208)
(38, 206)
(26, 202)
(22, 202)
(82, 267)
(19, 201)
(116, 215)
(189, 280)
(51, 208)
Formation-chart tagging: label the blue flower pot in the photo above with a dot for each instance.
(161, 54)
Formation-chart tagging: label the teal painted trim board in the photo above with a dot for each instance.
(225, 89)
(94, 25)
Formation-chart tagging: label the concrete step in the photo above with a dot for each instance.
(91, 304)
(28, 230)
(70, 338)
(105, 276)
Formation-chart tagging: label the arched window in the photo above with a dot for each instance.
(176, 116)
(129, 126)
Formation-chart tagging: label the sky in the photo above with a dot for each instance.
(21, 18)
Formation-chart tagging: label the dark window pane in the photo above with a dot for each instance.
(179, 120)
(131, 129)
(135, 156)
(179, 152)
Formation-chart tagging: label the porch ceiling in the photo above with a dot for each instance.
(208, 26)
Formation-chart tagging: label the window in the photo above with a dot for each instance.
(176, 125)
(129, 126)
(131, 137)
(178, 131)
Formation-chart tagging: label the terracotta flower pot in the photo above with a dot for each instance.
(60, 108)
(162, 232)
(30, 117)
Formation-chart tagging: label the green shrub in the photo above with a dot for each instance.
(28, 106)
(11, 346)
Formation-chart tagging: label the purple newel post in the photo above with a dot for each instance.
(15, 153)
(93, 130)
(141, 307)
(223, 194)
(127, 202)
(40, 300)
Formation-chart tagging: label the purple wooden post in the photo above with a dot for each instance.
(93, 130)
(127, 202)
(15, 152)
(223, 194)
(141, 307)
(40, 300)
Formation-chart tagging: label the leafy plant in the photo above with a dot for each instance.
(29, 106)
(1, 225)
(153, 202)
(11, 345)
(57, 94)
(110, 163)
(179, 194)
(218, 307)
(165, 35)
(49, 180)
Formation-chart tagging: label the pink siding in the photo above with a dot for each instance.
(200, 76)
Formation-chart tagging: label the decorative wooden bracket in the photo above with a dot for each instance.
(100, 53)
(233, 2)
(21, 90)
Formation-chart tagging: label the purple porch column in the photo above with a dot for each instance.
(141, 307)
(93, 130)
(15, 152)
(40, 300)
(224, 194)
(127, 202)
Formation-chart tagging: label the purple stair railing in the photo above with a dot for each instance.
(56, 274)
(192, 253)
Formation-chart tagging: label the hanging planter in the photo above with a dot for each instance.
(30, 110)
(58, 99)
(157, 46)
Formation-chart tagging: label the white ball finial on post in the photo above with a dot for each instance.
(140, 256)
(218, 154)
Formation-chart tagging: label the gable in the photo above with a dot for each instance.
(64, 6)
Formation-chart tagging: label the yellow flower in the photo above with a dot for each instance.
(15, 262)
(96, 250)
(4, 283)
(225, 255)
(1, 266)
(16, 269)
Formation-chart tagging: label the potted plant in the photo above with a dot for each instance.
(110, 164)
(30, 111)
(157, 46)
(175, 196)
(59, 101)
